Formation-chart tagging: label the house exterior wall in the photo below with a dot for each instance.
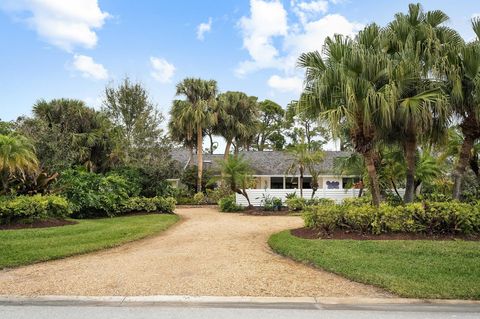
(325, 181)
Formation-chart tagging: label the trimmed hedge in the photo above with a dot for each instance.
(427, 217)
(148, 204)
(28, 209)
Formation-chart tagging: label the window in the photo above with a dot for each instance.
(349, 182)
(291, 182)
(307, 182)
(276, 182)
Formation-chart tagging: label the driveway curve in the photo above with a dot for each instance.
(206, 254)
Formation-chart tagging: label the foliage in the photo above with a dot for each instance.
(236, 174)
(428, 217)
(199, 198)
(189, 178)
(27, 246)
(271, 116)
(408, 268)
(17, 158)
(67, 133)
(28, 209)
(295, 203)
(270, 203)
(228, 204)
(148, 204)
(214, 196)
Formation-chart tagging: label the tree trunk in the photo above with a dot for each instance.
(199, 158)
(395, 188)
(301, 182)
(464, 158)
(372, 173)
(227, 150)
(211, 143)
(190, 159)
(410, 147)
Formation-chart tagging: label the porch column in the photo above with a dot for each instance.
(284, 183)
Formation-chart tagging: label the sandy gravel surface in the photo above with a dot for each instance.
(207, 253)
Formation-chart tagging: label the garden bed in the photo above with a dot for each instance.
(315, 233)
(39, 224)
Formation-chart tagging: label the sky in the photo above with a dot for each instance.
(74, 48)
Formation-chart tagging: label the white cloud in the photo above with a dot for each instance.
(308, 10)
(163, 71)
(267, 20)
(204, 28)
(89, 68)
(286, 84)
(65, 24)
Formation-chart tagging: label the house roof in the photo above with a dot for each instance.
(262, 162)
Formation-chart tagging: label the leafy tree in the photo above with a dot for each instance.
(237, 114)
(200, 94)
(67, 133)
(17, 158)
(129, 107)
(237, 175)
(270, 127)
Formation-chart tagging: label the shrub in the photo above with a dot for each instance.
(320, 201)
(199, 198)
(428, 217)
(296, 203)
(149, 205)
(228, 204)
(214, 195)
(271, 203)
(28, 209)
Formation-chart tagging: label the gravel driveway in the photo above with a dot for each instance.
(207, 253)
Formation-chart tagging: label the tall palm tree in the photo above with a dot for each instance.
(17, 156)
(349, 88)
(200, 94)
(181, 127)
(236, 113)
(462, 68)
(421, 110)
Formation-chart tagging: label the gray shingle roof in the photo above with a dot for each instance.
(263, 163)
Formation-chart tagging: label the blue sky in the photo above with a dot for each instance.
(72, 49)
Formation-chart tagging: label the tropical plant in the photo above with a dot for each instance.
(200, 94)
(270, 126)
(350, 88)
(17, 158)
(237, 113)
(236, 174)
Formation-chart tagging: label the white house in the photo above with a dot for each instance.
(270, 171)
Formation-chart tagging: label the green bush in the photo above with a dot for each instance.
(228, 204)
(428, 217)
(28, 209)
(214, 195)
(149, 205)
(320, 201)
(270, 204)
(295, 203)
(199, 198)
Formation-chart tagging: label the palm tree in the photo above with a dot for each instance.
(200, 94)
(462, 68)
(237, 175)
(17, 156)
(350, 88)
(413, 40)
(304, 158)
(181, 127)
(236, 112)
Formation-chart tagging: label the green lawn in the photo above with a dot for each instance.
(26, 246)
(419, 269)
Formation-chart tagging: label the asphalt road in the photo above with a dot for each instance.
(235, 311)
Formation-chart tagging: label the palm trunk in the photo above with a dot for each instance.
(190, 158)
(227, 149)
(372, 173)
(199, 157)
(395, 188)
(301, 182)
(464, 158)
(410, 153)
(211, 143)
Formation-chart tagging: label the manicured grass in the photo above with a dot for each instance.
(26, 246)
(419, 269)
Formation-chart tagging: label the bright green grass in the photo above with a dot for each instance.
(417, 268)
(26, 246)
